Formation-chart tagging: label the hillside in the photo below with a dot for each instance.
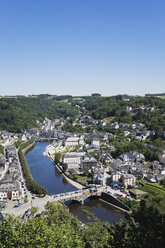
(15, 117)
(48, 106)
(20, 113)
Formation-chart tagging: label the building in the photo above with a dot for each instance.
(95, 141)
(98, 175)
(128, 180)
(89, 161)
(116, 176)
(9, 191)
(92, 148)
(73, 159)
(106, 157)
(114, 125)
(2, 164)
(74, 141)
(130, 158)
(79, 160)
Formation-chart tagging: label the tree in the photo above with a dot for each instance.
(86, 171)
(1, 149)
(64, 166)
(57, 158)
(84, 148)
(162, 182)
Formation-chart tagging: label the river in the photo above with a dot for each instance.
(45, 173)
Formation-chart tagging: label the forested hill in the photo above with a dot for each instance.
(21, 112)
(15, 117)
(17, 114)
(48, 106)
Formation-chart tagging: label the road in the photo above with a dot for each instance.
(37, 202)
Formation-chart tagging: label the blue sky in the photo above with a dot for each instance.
(79, 47)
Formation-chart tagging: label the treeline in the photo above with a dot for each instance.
(144, 228)
(162, 94)
(30, 183)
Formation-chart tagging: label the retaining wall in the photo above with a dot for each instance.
(114, 202)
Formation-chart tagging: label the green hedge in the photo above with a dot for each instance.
(30, 182)
(25, 144)
(1, 149)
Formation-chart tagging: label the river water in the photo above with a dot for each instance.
(45, 173)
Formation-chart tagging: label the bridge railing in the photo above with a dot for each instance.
(78, 193)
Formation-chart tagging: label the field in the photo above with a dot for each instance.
(77, 99)
(162, 97)
(151, 188)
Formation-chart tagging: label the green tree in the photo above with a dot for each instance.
(1, 149)
(64, 166)
(57, 157)
(86, 171)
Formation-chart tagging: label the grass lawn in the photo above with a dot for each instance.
(65, 100)
(154, 189)
(162, 97)
(1, 149)
(77, 99)
(108, 119)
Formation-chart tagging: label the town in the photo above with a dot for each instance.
(88, 158)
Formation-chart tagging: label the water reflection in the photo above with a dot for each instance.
(103, 211)
(57, 173)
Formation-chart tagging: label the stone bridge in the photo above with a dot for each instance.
(79, 195)
(43, 139)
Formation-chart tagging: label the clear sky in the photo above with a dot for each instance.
(80, 47)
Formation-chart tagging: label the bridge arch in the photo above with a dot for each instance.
(73, 200)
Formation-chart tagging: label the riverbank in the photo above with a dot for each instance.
(27, 148)
(72, 182)
(31, 184)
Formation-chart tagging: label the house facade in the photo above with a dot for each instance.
(128, 180)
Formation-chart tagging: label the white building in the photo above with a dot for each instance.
(9, 191)
(74, 141)
(3, 195)
(95, 141)
(126, 133)
(114, 125)
(24, 137)
(128, 179)
(73, 159)
(115, 176)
